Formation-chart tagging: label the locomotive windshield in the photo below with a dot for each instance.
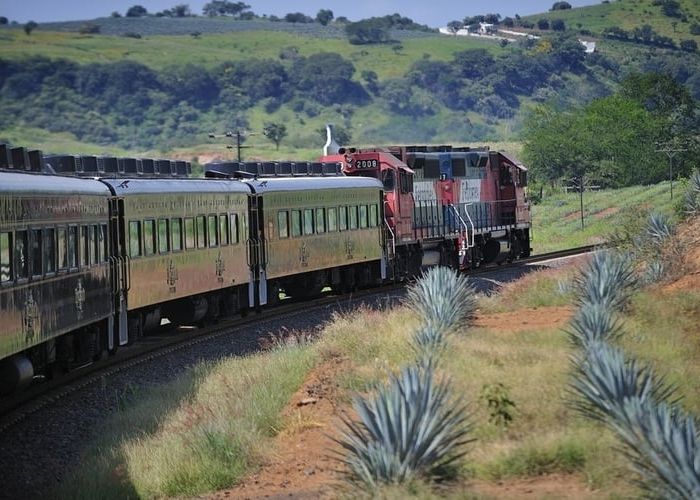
(388, 179)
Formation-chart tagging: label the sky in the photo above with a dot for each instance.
(434, 13)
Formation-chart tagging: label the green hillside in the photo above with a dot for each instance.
(164, 94)
(628, 15)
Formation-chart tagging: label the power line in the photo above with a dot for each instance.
(670, 151)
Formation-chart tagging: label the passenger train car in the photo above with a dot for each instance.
(97, 251)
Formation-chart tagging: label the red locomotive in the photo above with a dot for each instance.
(460, 207)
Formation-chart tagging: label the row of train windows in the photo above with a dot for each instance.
(162, 236)
(321, 220)
(38, 252)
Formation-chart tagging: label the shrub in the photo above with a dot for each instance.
(409, 429)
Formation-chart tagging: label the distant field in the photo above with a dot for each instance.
(211, 49)
(627, 14)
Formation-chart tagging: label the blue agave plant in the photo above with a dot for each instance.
(692, 195)
(659, 229)
(443, 299)
(608, 280)
(429, 342)
(410, 428)
(593, 322)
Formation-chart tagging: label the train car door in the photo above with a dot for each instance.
(257, 289)
(119, 271)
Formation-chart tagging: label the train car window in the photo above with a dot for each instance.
(459, 167)
(352, 217)
(431, 169)
(176, 228)
(283, 224)
(343, 218)
(320, 220)
(50, 250)
(332, 219)
(373, 213)
(234, 229)
(92, 243)
(296, 223)
(72, 247)
(363, 216)
(201, 232)
(84, 247)
(388, 180)
(134, 238)
(5, 257)
(213, 231)
(149, 237)
(163, 236)
(223, 229)
(36, 249)
(101, 241)
(21, 254)
(62, 247)
(308, 221)
(189, 233)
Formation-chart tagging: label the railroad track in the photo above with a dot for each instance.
(15, 408)
(18, 407)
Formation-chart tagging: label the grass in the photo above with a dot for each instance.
(198, 434)
(557, 224)
(626, 14)
(159, 52)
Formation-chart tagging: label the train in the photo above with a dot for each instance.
(96, 252)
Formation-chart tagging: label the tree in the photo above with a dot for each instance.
(543, 24)
(454, 26)
(29, 27)
(275, 132)
(181, 10)
(115, 14)
(558, 25)
(689, 45)
(3, 20)
(367, 31)
(224, 8)
(136, 11)
(561, 6)
(297, 17)
(324, 16)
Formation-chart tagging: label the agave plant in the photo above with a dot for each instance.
(608, 280)
(660, 440)
(443, 299)
(654, 272)
(692, 195)
(410, 428)
(604, 380)
(429, 342)
(659, 229)
(592, 323)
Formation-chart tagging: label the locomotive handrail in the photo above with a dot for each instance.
(464, 225)
(391, 232)
(114, 271)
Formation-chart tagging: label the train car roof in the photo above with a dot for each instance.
(43, 184)
(273, 184)
(127, 187)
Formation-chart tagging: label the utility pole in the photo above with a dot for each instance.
(670, 151)
(239, 136)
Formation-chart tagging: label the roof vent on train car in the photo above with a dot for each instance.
(332, 168)
(127, 165)
(301, 168)
(109, 164)
(36, 161)
(161, 167)
(268, 168)
(62, 164)
(315, 168)
(20, 158)
(147, 166)
(180, 168)
(5, 156)
(284, 168)
(89, 164)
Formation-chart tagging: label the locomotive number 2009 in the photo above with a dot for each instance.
(366, 164)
